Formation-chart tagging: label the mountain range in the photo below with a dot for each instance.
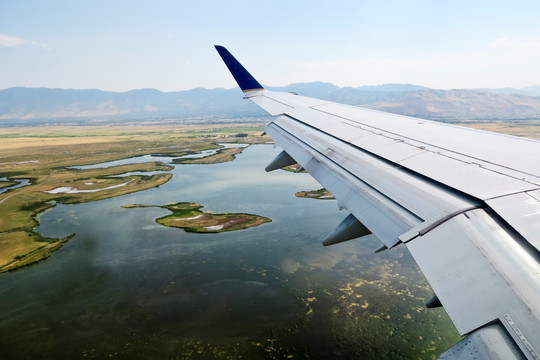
(20, 106)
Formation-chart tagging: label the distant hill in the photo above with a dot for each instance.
(529, 91)
(445, 104)
(392, 88)
(44, 104)
(38, 105)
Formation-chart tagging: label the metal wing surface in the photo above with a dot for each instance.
(466, 204)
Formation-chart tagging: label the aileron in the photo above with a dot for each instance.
(522, 212)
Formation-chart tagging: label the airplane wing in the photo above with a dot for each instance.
(465, 203)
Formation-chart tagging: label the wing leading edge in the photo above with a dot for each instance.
(466, 203)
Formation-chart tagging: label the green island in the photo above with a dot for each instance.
(188, 216)
(321, 194)
(45, 156)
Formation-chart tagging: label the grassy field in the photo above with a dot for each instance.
(41, 154)
(528, 129)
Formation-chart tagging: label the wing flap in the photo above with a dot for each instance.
(488, 343)
(481, 275)
(458, 271)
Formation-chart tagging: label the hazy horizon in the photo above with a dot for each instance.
(529, 87)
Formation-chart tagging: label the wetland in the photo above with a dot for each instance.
(121, 285)
(43, 166)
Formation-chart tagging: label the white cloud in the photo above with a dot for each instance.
(6, 40)
(504, 62)
(44, 46)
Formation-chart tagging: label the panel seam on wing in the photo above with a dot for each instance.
(383, 132)
(451, 190)
(428, 225)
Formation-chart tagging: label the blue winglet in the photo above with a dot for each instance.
(240, 74)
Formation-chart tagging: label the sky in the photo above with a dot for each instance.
(168, 45)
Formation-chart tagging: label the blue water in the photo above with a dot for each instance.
(21, 183)
(147, 158)
(127, 287)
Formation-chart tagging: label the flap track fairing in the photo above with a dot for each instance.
(350, 228)
(281, 161)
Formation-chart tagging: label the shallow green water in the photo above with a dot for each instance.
(127, 287)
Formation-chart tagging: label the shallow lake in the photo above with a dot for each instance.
(127, 287)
